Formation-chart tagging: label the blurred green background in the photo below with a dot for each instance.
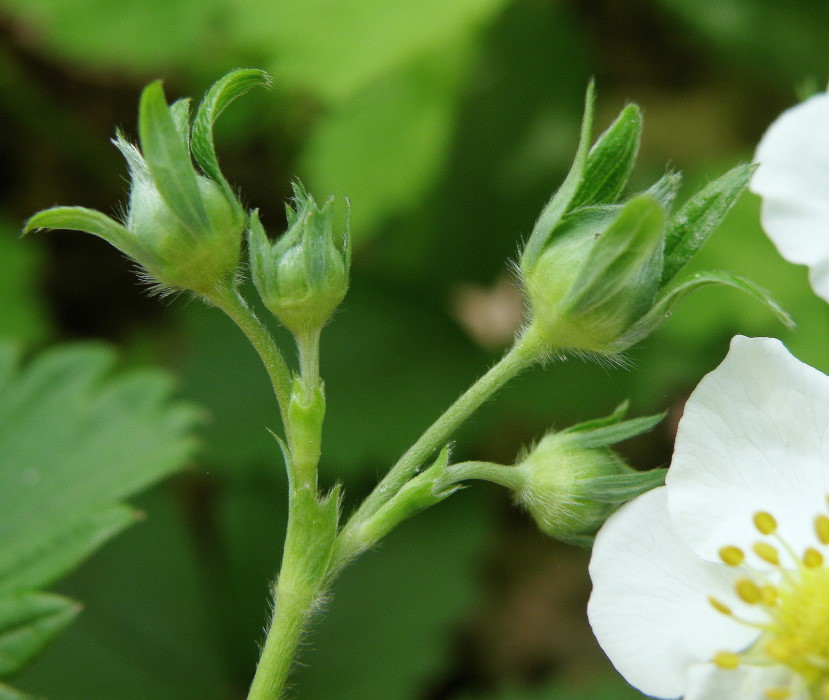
(447, 123)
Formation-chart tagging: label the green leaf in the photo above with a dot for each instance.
(690, 227)
(670, 296)
(560, 201)
(75, 440)
(385, 148)
(23, 313)
(9, 693)
(218, 97)
(28, 622)
(611, 434)
(47, 561)
(88, 220)
(152, 626)
(620, 488)
(169, 160)
(610, 161)
(620, 253)
(337, 49)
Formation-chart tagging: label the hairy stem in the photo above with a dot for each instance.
(523, 353)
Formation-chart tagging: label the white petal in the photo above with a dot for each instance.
(793, 180)
(649, 608)
(708, 682)
(754, 437)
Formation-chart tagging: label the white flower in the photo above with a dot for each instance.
(793, 180)
(716, 586)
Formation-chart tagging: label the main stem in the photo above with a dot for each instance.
(312, 527)
(522, 354)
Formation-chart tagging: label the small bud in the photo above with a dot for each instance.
(303, 276)
(184, 227)
(554, 491)
(571, 482)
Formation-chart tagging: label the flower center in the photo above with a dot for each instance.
(793, 599)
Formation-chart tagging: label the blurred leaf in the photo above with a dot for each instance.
(390, 625)
(147, 631)
(22, 315)
(773, 39)
(336, 48)
(28, 622)
(7, 693)
(73, 441)
(138, 36)
(383, 148)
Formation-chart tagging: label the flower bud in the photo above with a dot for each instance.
(598, 273)
(171, 253)
(571, 481)
(556, 491)
(303, 276)
(183, 226)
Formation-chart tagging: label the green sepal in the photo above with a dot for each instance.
(666, 188)
(690, 227)
(620, 488)
(89, 221)
(618, 414)
(168, 160)
(29, 621)
(619, 255)
(218, 97)
(671, 295)
(316, 244)
(42, 566)
(180, 111)
(611, 433)
(559, 204)
(610, 161)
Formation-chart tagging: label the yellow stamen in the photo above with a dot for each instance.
(812, 559)
(748, 591)
(765, 522)
(777, 693)
(769, 595)
(767, 553)
(822, 528)
(719, 607)
(731, 555)
(726, 659)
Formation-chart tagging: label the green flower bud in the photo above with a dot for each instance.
(171, 252)
(303, 276)
(598, 273)
(571, 481)
(183, 226)
(555, 478)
